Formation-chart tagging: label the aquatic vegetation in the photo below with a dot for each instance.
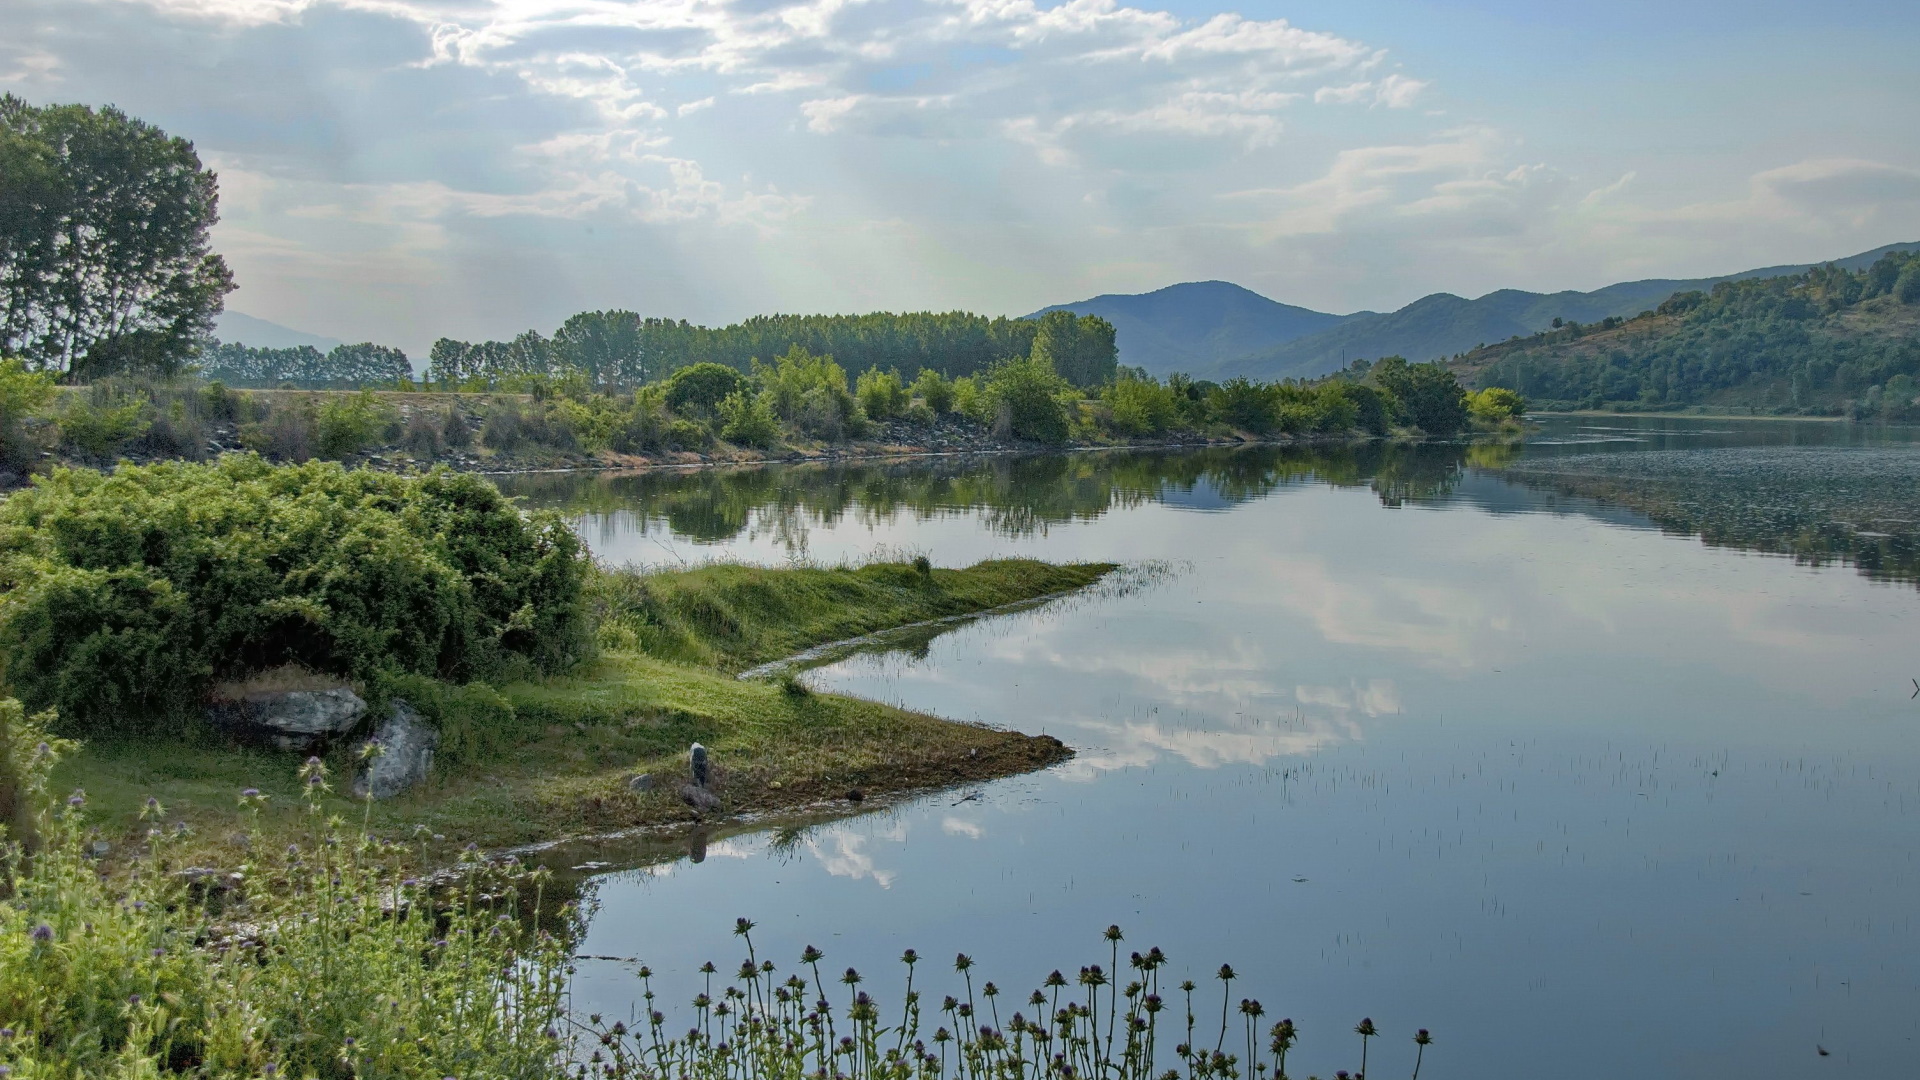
(759, 1024)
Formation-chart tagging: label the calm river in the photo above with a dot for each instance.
(1595, 756)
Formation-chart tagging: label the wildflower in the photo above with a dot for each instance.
(909, 957)
(811, 955)
(1365, 1027)
(1422, 1037)
(962, 962)
(1113, 933)
(1226, 972)
(42, 932)
(741, 927)
(77, 799)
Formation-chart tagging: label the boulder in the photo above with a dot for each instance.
(407, 742)
(290, 719)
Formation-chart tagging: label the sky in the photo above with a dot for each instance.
(402, 170)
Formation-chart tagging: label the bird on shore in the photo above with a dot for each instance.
(695, 793)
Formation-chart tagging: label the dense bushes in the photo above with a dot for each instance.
(129, 595)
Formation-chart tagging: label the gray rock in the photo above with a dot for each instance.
(407, 742)
(643, 782)
(291, 719)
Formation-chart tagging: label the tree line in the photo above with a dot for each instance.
(343, 366)
(621, 349)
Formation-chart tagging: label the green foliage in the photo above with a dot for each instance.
(810, 392)
(23, 396)
(475, 722)
(1025, 398)
(701, 388)
(128, 596)
(747, 419)
(1140, 405)
(97, 426)
(349, 425)
(1906, 287)
(1429, 396)
(880, 393)
(1080, 348)
(104, 226)
(1496, 405)
(513, 427)
(350, 967)
(1244, 405)
(935, 389)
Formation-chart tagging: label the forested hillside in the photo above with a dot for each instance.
(1829, 341)
(1442, 325)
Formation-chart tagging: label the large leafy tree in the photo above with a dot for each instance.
(104, 259)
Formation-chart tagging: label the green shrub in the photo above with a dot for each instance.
(748, 420)
(99, 424)
(1026, 399)
(23, 395)
(455, 429)
(128, 596)
(425, 434)
(347, 425)
(286, 434)
(698, 389)
(880, 393)
(810, 392)
(1496, 405)
(1140, 406)
(935, 389)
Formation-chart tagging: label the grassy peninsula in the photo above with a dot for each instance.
(133, 598)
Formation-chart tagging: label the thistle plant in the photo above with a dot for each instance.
(763, 1026)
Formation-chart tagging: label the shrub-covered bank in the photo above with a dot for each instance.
(802, 405)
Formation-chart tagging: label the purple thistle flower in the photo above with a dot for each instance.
(42, 932)
(77, 799)
(250, 793)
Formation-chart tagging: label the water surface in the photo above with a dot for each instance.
(1595, 756)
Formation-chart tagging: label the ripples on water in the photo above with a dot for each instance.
(1479, 739)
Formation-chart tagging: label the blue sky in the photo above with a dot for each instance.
(404, 169)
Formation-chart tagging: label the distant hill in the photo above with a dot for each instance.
(1828, 341)
(1199, 324)
(1441, 325)
(236, 328)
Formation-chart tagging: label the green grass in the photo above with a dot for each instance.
(560, 763)
(732, 617)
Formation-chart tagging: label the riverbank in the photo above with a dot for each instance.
(672, 645)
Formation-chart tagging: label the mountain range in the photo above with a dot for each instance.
(1218, 330)
(238, 328)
